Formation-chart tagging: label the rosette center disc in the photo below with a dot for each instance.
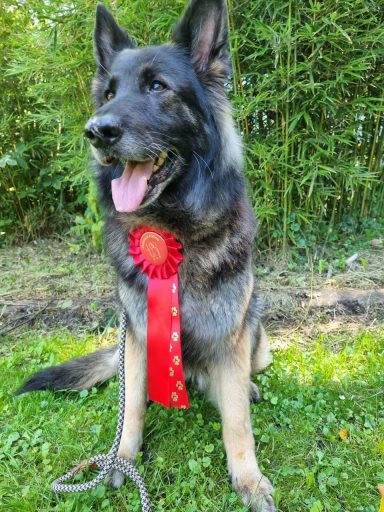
(154, 248)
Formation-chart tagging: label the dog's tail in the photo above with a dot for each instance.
(81, 373)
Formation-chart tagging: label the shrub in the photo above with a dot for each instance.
(307, 92)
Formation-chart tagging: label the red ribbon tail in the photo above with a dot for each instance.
(166, 383)
(179, 395)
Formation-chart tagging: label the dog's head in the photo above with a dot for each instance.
(154, 110)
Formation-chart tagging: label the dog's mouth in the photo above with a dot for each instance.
(138, 181)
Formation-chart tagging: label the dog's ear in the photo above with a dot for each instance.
(203, 31)
(109, 38)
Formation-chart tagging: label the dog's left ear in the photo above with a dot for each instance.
(203, 31)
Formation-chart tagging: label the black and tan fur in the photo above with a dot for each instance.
(200, 196)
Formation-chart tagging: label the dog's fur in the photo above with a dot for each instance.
(199, 195)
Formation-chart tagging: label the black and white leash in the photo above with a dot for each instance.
(110, 461)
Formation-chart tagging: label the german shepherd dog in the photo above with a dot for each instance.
(163, 115)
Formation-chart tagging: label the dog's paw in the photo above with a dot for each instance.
(254, 394)
(115, 479)
(259, 496)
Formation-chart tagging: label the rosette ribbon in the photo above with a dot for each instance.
(158, 255)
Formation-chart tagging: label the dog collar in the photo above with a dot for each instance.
(158, 255)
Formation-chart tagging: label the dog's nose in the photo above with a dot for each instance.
(103, 131)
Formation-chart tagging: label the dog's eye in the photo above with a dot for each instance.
(109, 95)
(157, 86)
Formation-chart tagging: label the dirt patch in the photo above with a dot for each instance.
(287, 311)
(324, 310)
(330, 301)
(72, 313)
(47, 283)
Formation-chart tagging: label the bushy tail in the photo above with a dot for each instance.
(81, 373)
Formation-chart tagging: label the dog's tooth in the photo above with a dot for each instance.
(160, 161)
(155, 168)
(163, 155)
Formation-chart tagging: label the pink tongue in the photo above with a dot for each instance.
(128, 191)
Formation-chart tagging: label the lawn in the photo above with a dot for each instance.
(319, 430)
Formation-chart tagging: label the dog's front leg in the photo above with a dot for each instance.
(135, 365)
(230, 381)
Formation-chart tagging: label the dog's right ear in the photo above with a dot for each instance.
(109, 38)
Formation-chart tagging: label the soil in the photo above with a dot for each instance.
(52, 283)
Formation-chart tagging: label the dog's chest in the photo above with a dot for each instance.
(208, 316)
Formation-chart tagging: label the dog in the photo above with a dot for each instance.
(162, 113)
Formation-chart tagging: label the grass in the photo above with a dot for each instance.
(52, 267)
(319, 431)
(326, 382)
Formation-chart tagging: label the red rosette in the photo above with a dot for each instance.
(156, 252)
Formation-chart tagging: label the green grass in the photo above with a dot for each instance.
(309, 396)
